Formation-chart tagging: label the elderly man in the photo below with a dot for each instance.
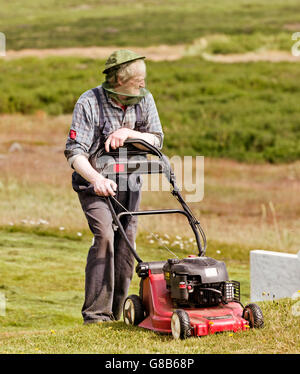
(105, 117)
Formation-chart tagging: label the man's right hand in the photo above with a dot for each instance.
(104, 186)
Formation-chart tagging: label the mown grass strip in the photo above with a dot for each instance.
(42, 279)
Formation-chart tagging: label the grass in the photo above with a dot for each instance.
(240, 25)
(42, 280)
(247, 112)
(35, 189)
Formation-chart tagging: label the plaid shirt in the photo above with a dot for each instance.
(85, 136)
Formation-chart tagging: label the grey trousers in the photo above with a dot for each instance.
(110, 264)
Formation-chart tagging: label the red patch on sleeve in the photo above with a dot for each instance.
(73, 134)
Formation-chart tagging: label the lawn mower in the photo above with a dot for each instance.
(187, 297)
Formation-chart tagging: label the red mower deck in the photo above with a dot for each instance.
(204, 321)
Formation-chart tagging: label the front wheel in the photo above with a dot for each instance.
(253, 314)
(133, 310)
(180, 324)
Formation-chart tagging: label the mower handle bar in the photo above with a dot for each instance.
(194, 223)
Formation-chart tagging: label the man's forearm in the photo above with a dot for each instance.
(148, 137)
(102, 186)
(83, 167)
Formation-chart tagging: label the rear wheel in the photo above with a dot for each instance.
(180, 324)
(253, 314)
(133, 310)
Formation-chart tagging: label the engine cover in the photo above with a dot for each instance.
(208, 269)
(199, 281)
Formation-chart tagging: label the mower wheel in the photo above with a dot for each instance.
(133, 310)
(180, 324)
(253, 314)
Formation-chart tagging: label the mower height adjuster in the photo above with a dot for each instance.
(142, 269)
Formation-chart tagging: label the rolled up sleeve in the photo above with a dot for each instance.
(81, 134)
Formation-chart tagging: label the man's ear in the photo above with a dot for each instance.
(119, 82)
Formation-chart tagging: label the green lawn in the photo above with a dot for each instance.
(42, 278)
(246, 25)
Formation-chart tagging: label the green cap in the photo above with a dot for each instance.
(120, 57)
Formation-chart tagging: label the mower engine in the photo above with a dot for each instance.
(199, 282)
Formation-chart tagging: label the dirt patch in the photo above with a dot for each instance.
(155, 53)
(271, 56)
(292, 26)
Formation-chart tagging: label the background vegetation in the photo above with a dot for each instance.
(245, 24)
(247, 112)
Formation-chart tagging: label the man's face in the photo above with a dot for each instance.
(133, 85)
